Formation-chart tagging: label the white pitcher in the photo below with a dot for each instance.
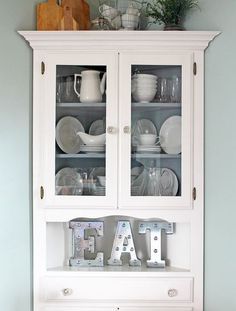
(92, 88)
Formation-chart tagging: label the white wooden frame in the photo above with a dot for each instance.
(190, 45)
(185, 60)
(73, 58)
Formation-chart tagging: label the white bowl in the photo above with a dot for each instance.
(147, 139)
(144, 97)
(102, 180)
(143, 87)
(108, 11)
(144, 83)
(145, 92)
(92, 140)
(130, 21)
(144, 76)
(132, 11)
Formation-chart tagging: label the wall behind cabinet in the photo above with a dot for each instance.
(16, 154)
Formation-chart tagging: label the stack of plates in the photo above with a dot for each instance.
(68, 182)
(100, 191)
(153, 182)
(135, 190)
(92, 149)
(162, 182)
(148, 149)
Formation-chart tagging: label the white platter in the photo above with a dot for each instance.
(97, 128)
(162, 182)
(68, 182)
(66, 134)
(170, 135)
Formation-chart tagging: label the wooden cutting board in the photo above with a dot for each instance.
(68, 22)
(49, 15)
(80, 12)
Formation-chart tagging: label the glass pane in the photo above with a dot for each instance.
(80, 154)
(156, 130)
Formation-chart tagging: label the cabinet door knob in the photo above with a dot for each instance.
(172, 292)
(67, 291)
(111, 130)
(126, 129)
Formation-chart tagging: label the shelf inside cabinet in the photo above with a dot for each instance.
(155, 156)
(170, 271)
(81, 156)
(102, 156)
(158, 105)
(81, 105)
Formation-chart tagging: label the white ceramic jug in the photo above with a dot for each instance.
(92, 88)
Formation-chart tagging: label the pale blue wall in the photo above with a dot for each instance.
(15, 163)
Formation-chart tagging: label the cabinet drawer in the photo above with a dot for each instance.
(119, 289)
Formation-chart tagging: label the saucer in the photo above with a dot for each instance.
(92, 149)
(148, 148)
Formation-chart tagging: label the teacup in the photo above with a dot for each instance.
(132, 10)
(148, 139)
(130, 21)
(108, 11)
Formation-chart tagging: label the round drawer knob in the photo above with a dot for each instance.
(67, 291)
(172, 292)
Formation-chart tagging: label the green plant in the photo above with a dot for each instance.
(169, 12)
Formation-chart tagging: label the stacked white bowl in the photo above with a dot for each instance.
(144, 87)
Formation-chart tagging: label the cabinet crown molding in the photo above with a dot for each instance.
(182, 40)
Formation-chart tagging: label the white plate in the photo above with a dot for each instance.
(147, 148)
(68, 182)
(169, 182)
(66, 134)
(170, 135)
(97, 128)
(142, 126)
(92, 149)
(165, 185)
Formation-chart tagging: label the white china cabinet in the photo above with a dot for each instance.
(118, 170)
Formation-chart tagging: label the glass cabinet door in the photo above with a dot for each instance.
(156, 141)
(81, 120)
